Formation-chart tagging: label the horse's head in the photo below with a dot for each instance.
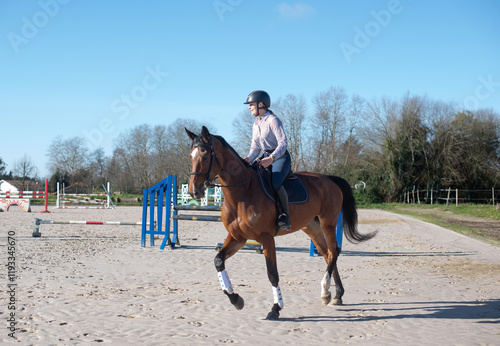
(205, 166)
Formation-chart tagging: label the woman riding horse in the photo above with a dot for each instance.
(247, 214)
(268, 136)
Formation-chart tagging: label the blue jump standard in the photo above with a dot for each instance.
(167, 189)
(157, 193)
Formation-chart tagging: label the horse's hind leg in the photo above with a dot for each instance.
(315, 232)
(269, 246)
(331, 269)
(230, 247)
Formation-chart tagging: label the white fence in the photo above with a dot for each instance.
(451, 196)
(211, 194)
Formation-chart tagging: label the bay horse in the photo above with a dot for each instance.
(248, 214)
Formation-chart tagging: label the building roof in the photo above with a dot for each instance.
(6, 186)
(19, 185)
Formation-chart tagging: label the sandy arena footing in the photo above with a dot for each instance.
(413, 284)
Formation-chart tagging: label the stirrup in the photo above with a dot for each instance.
(283, 222)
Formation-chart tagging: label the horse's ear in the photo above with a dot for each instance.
(205, 134)
(190, 134)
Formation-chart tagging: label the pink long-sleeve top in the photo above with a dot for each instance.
(268, 134)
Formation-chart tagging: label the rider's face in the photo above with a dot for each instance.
(253, 108)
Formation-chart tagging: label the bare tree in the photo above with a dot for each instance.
(380, 122)
(328, 121)
(292, 112)
(69, 157)
(179, 146)
(98, 166)
(25, 169)
(351, 144)
(160, 152)
(119, 175)
(134, 152)
(242, 129)
(145, 155)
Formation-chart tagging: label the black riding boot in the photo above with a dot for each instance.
(283, 219)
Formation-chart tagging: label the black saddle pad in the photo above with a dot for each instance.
(297, 192)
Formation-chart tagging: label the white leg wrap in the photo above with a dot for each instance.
(224, 282)
(325, 284)
(278, 298)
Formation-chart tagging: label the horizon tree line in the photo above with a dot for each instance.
(389, 144)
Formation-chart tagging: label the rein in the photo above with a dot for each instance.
(234, 185)
(207, 175)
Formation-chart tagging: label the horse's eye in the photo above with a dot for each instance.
(204, 158)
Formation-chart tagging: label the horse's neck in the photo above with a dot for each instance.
(236, 177)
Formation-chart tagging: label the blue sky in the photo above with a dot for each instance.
(94, 69)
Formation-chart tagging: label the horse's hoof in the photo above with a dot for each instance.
(337, 301)
(273, 316)
(326, 299)
(240, 303)
(236, 300)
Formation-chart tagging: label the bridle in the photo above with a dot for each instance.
(212, 155)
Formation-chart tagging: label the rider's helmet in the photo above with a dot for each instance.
(259, 96)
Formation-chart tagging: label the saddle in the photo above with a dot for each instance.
(297, 192)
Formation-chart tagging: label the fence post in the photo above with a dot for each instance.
(144, 215)
(448, 198)
(493, 194)
(456, 195)
(432, 192)
(109, 197)
(175, 238)
(57, 200)
(46, 197)
(168, 206)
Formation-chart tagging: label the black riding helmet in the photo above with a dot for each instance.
(259, 96)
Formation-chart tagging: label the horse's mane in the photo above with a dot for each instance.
(226, 145)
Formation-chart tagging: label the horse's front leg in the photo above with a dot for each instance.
(269, 246)
(230, 247)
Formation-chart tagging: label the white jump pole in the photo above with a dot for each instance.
(38, 222)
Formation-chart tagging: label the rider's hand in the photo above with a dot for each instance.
(266, 162)
(246, 159)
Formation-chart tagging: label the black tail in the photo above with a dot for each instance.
(349, 213)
